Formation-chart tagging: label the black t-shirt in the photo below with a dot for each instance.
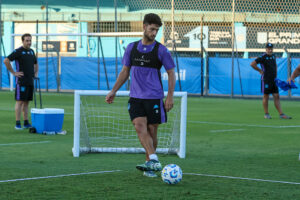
(25, 60)
(268, 65)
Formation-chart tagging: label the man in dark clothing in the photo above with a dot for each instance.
(268, 72)
(26, 70)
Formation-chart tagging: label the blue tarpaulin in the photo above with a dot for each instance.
(82, 72)
(5, 76)
(220, 71)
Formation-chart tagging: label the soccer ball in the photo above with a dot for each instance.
(171, 174)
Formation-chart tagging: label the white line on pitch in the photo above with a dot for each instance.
(11, 144)
(225, 130)
(249, 125)
(241, 178)
(57, 176)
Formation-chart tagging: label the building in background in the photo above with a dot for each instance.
(212, 41)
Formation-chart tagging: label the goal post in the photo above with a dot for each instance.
(106, 128)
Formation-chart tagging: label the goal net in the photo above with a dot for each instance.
(102, 127)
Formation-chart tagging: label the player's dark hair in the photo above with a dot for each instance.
(25, 35)
(152, 18)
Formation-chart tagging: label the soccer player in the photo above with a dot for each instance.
(144, 59)
(268, 72)
(26, 70)
(295, 74)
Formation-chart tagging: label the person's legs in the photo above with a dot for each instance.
(25, 110)
(25, 114)
(140, 125)
(19, 102)
(18, 110)
(278, 107)
(138, 114)
(266, 103)
(152, 131)
(277, 103)
(23, 94)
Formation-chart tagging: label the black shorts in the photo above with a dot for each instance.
(23, 92)
(153, 109)
(269, 87)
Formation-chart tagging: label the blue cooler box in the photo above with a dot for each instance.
(47, 119)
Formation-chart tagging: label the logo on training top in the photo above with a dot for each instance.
(142, 60)
(23, 52)
(156, 107)
(266, 86)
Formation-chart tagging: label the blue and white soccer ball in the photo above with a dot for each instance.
(171, 174)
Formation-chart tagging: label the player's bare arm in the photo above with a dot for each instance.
(254, 66)
(171, 86)
(36, 70)
(122, 78)
(9, 68)
(295, 74)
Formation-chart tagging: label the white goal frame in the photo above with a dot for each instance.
(76, 146)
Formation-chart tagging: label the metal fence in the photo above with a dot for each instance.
(236, 29)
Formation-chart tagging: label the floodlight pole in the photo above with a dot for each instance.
(1, 44)
(12, 44)
(289, 70)
(173, 35)
(98, 44)
(174, 44)
(116, 38)
(201, 54)
(37, 39)
(47, 45)
(232, 46)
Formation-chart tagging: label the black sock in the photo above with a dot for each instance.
(26, 122)
(18, 123)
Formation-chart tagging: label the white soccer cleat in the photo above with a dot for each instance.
(150, 174)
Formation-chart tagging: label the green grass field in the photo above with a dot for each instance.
(226, 138)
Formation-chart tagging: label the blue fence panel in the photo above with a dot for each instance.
(282, 72)
(220, 76)
(5, 76)
(220, 72)
(189, 73)
(81, 73)
(52, 72)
